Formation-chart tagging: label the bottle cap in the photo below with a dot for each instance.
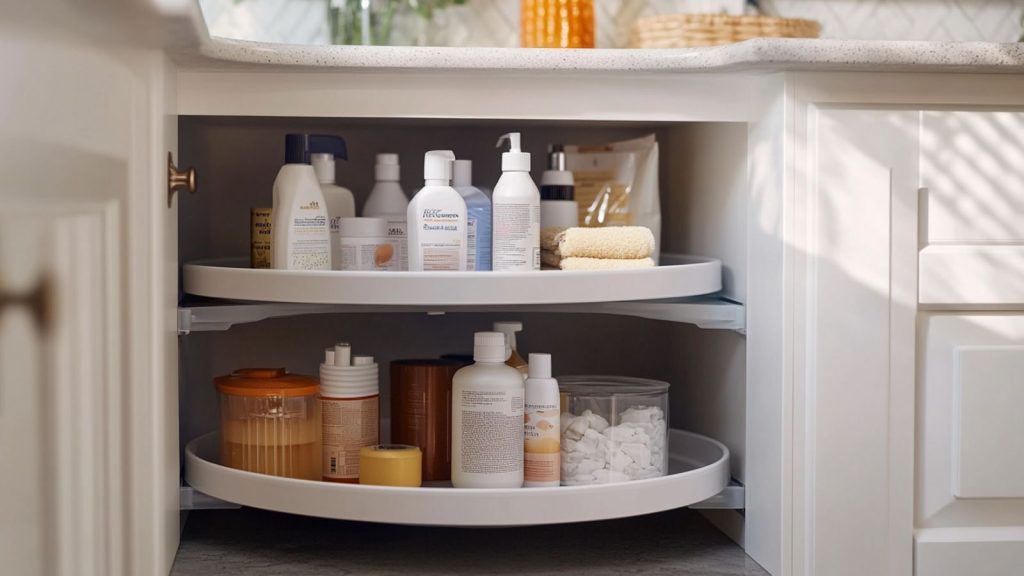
(515, 160)
(489, 347)
(363, 227)
(323, 165)
(298, 147)
(387, 169)
(556, 157)
(437, 165)
(540, 365)
(462, 173)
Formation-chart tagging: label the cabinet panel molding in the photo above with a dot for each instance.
(988, 438)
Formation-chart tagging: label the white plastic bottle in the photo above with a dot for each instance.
(340, 201)
(542, 442)
(516, 233)
(388, 201)
(487, 419)
(512, 356)
(478, 216)
(301, 238)
(437, 218)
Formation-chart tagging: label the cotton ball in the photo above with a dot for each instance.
(588, 466)
(577, 427)
(640, 453)
(596, 421)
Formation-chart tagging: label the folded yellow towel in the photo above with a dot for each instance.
(612, 242)
(576, 263)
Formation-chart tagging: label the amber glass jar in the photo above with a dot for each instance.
(556, 23)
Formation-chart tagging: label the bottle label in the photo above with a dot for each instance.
(441, 238)
(310, 247)
(541, 431)
(261, 248)
(492, 431)
(396, 232)
(516, 237)
(471, 227)
(349, 424)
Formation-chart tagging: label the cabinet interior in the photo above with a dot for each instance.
(702, 174)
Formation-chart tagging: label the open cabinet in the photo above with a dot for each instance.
(807, 219)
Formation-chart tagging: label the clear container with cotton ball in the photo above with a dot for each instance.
(614, 429)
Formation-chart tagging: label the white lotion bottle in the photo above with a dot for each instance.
(340, 201)
(541, 430)
(301, 238)
(487, 419)
(516, 209)
(387, 200)
(437, 218)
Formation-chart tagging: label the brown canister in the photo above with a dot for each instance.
(421, 411)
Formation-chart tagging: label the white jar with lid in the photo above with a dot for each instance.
(364, 245)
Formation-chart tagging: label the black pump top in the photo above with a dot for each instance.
(298, 147)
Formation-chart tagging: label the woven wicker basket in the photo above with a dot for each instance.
(685, 30)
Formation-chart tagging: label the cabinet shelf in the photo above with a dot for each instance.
(698, 466)
(234, 280)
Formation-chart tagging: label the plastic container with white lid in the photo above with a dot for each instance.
(614, 429)
(363, 244)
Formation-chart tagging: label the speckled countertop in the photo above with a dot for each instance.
(759, 54)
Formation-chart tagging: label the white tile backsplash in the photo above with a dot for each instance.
(495, 22)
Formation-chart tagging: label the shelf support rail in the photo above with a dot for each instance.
(709, 312)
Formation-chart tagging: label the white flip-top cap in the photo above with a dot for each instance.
(323, 165)
(387, 169)
(540, 365)
(462, 173)
(515, 160)
(489, 347)
(437, 165)
(363, 227)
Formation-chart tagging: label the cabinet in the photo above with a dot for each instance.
(822, 194)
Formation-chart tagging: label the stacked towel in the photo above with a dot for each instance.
(609, 248)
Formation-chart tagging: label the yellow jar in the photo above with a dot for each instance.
(556, 23)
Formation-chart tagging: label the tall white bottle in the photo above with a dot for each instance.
(516, 226)
(437, 218)
(487, 419)
(340, 201)
(301, 236)
(388, 201)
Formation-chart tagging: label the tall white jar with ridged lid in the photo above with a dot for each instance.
(487, 418)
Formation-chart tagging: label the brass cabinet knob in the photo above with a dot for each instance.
(38, 300)
(179, 179)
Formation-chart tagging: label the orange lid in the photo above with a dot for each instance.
(265, 382)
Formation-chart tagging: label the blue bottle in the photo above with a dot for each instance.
(478, 216)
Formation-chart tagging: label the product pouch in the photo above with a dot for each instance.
(617, 184)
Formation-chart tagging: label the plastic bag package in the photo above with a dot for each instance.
(617, 184)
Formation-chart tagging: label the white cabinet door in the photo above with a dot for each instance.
(972, 173)
(88, 459)
(970, 445)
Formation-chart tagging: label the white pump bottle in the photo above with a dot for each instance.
(516, 232)
(437, 218)
(340, 201)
